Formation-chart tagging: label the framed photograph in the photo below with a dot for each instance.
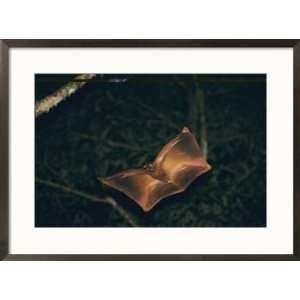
(150, 150)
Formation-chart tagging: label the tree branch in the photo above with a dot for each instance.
(107, 200)
(202, 121)
(196, 116)
(47, 103)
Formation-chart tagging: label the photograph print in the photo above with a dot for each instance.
(150, 150)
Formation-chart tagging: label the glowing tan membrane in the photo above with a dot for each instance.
(177, 165)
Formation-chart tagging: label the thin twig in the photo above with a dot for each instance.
(110, 143)
(240, 180)
(47, 103)
(53, 171)
(159, 115)
(123, 145)
(107, 200)
(223, 141)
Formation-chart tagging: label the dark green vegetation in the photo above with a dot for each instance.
(111, 125)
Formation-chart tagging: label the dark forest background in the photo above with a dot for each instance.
(120, 121)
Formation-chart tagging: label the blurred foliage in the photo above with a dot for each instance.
(121, 121)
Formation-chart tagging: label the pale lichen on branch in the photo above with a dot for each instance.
(47, 103)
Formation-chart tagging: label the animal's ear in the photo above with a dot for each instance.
(185, 130)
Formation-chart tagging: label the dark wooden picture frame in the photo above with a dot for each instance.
(6, 45)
